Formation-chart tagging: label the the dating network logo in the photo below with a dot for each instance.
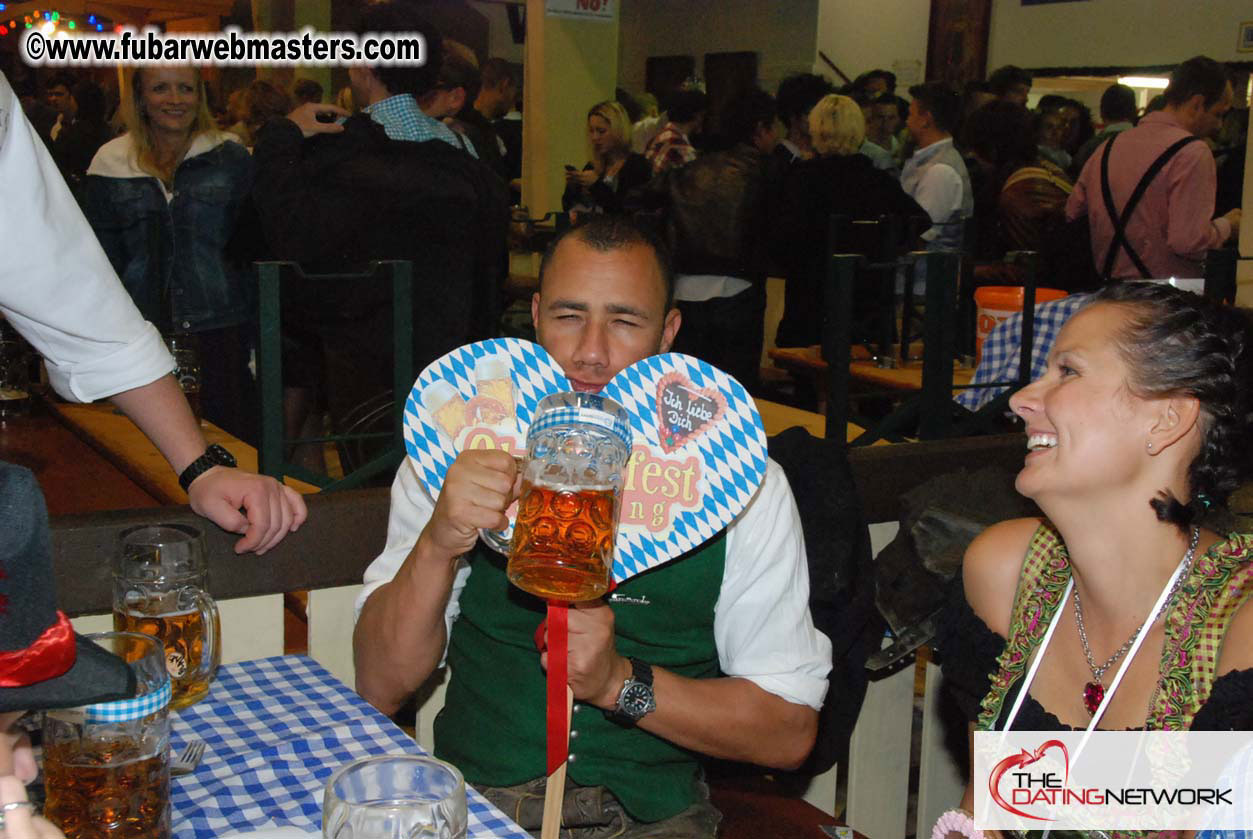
(1026, 787)
(1133, 780)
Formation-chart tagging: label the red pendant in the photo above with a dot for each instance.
(1093, 693)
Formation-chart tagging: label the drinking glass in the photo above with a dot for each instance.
(395, 797)
(186, 351)
(160, 580)
(107, 766)
(14, 373)
(567, 521)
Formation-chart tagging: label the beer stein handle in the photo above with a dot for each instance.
(498, 540)
(501, 540)
(212, 623)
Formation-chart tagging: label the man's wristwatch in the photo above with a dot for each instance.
(215, 455)
(636, 698)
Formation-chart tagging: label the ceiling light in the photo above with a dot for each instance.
(1153, 82)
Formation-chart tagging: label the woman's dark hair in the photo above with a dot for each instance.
(1176, 342)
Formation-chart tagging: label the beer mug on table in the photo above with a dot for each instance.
(395, 797)
(567, 521)
(159, 588)
(107, 766)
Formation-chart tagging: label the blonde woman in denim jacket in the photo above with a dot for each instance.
(165, 199)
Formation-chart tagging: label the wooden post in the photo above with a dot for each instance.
(570, 66)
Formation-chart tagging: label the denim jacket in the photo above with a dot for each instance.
(169, 246)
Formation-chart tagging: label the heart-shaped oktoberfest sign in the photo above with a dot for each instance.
(698, 450)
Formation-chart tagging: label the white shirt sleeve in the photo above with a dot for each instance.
(57, 287)
(762, 624)
(939, 192)
(411, 508)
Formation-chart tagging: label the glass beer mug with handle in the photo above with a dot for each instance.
(107, 766)
(395, 797)
(159, 588)
(562, 547)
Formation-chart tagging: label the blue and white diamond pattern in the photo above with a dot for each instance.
(732, 451)
(535, 375)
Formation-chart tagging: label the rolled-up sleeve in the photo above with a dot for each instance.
(762, 623)
(411, 508)
(57, 287)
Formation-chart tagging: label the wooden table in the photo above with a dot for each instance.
(907, 376)
(112, 434)
(808, 362)
(778, 417)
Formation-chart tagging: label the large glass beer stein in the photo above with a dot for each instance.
(563, 538)
(159, 588)
(107, 766)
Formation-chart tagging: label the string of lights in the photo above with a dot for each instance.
(53, 24)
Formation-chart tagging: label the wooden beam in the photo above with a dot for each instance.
(346, 530)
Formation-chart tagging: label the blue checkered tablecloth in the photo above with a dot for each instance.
(1003, 347)
(276, 729)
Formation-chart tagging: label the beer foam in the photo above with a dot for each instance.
(438, 394)
(491, 367)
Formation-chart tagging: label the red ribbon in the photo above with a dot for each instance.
(557, 733)
(558, 675)
(52, 654)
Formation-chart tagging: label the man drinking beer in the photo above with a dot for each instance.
(721, 638)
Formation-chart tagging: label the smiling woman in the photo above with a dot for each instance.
(1136, 434)
(164, 200)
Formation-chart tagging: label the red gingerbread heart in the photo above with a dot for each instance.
(685, 411)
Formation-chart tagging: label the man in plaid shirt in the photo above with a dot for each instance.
(671, 148)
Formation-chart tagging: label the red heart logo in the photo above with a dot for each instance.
(1025, 758)
(685, 411)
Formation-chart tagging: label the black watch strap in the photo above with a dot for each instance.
(215, 455)
(641, 671)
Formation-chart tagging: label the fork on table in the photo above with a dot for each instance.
(188, 759)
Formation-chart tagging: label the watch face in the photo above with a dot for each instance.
(636, 700)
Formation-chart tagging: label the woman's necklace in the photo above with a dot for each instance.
(1094, 691)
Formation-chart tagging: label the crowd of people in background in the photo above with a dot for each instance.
(741, 188)
(976, 169)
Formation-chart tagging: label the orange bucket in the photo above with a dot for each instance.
(996, 303)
